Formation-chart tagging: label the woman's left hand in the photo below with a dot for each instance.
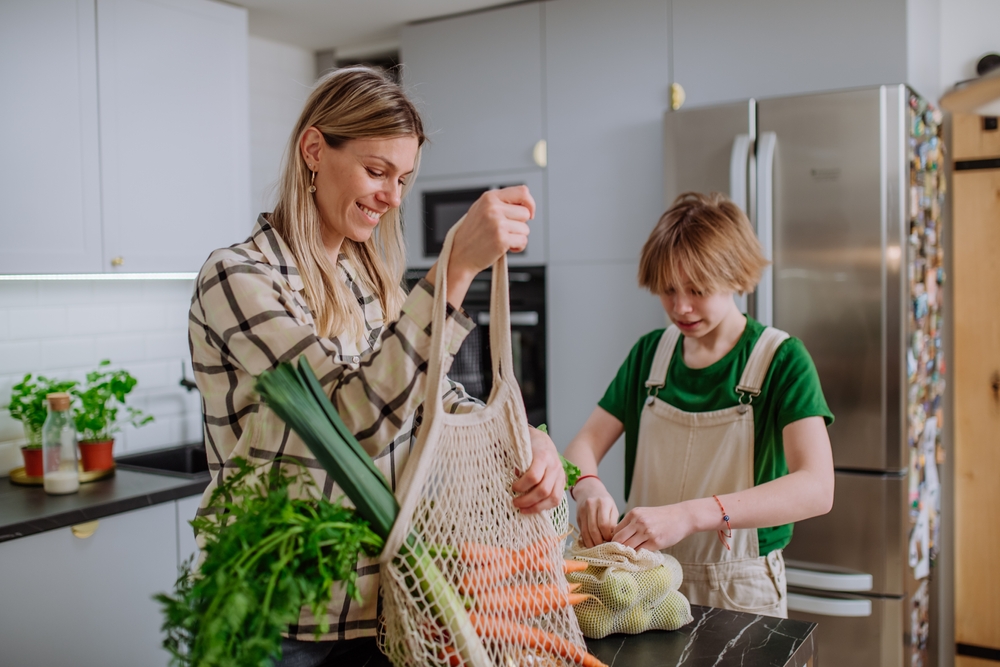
(541, 487)
(654, 528)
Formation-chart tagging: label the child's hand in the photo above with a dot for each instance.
(654, 528)
(596, 512)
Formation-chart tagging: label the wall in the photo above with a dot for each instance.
(968, 31)
(281, 77)
(64, 328)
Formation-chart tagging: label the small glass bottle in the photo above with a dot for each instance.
(59, 447)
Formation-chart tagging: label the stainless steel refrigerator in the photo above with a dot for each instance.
(845, 190)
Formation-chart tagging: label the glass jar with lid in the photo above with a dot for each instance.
(61, 474)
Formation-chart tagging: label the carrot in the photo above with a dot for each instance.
(482, 554)
(574, 566)
(523, 601)
(577, 598)
(573, 587)
(483, 578)
(497, 628)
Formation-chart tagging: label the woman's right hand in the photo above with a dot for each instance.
(596, 512)
(496, 223)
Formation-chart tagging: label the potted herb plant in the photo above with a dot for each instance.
(27, 405)
(97, 414)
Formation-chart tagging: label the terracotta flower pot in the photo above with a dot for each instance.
(97, 455)
(33, 462)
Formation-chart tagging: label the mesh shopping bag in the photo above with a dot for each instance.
(633, 590)
(467, 579)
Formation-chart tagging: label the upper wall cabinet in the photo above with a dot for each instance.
(728, 50)
(477, 80)
(49, 159)
(605, 125)
(174, 131)
(125, 139)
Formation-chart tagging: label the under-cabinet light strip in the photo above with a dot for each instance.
(100, 276)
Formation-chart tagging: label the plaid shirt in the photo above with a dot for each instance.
(247, 315)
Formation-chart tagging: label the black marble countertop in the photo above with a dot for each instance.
(26, 510)
(715, 638)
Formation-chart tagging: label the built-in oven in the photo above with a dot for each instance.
(472, 366)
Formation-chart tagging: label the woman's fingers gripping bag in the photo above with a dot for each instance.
(631, 591)
(467, 578)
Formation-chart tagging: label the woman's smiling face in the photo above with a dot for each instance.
(358, 182)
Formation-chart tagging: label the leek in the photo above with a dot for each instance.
(298, 399)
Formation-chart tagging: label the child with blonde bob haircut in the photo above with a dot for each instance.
(724, 421)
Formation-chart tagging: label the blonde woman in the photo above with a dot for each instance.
(321, 276)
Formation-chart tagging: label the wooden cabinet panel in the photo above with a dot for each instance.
(87, 601)
(174, 131)
(478, 82)
(976, 276)
(970, 141)
(49, 171)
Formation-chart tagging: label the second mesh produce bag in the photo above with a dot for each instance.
(633, 590)
(456, 507)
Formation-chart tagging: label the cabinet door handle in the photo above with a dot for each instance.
(117, 261)
(540, 153)
(84, 530)
(677, 96)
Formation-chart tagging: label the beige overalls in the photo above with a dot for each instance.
(686, 455)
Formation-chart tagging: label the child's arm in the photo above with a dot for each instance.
(596, 512)
(806, 491)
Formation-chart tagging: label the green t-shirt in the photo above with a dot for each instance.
(791, 392)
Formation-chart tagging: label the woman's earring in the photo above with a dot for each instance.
(312, 183)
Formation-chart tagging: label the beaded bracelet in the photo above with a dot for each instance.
(725, 517)
(578, 480)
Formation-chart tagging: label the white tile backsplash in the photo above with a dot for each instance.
(64, 328)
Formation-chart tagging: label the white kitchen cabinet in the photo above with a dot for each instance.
(606, 90)
(596, 313)
(49, 160)
(71, 600)
(125, 140)
(728, 50)
(477, 80)
(174, 131)
(187, 547)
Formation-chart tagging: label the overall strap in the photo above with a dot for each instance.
(661, 360)
(760, 360)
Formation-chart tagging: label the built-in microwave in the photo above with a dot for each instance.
(434, 205)
(442, 209)
(472, 366)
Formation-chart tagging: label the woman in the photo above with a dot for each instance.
(320, 276)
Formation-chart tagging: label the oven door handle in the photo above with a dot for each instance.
(523, 318)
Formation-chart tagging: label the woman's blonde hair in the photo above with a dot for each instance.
(349, 103)
(709, 237)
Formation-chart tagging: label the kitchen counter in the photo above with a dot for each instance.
(26, 510)
(716, 637)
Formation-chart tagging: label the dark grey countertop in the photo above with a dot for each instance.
(716, 638)
(26, 510)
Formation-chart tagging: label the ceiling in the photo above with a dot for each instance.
(346, 24)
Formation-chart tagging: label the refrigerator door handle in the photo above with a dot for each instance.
(810, 604)
(828, 581)
(766, 144)
(738, 161)
(739, 185)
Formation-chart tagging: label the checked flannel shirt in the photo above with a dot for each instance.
(248, 314)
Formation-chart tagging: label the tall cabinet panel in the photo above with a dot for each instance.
(478, 82)
(49, 171)
(606, 86)
(174, 137)
(728, 50)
